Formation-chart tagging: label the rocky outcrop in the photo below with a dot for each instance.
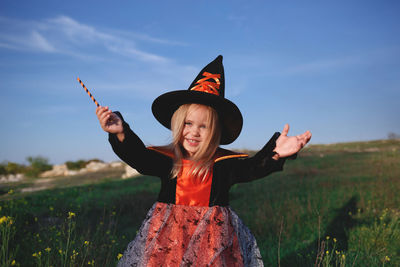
(129, 172)
(94, 166)
(117, 164)
(58, 170)
(11, 178)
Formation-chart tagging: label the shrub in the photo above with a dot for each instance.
(14, 168)
(11, 168)
(76, 165)
(94, 160)
(3, 169)
(38, 165)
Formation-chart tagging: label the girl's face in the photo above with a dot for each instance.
(196, 129)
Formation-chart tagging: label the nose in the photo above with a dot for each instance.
(196, 131)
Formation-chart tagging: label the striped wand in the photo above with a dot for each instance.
(87, 91)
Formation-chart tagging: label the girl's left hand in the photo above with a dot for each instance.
(289, 145)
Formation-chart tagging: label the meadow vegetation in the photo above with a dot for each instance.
(336, 205)
(37, 165)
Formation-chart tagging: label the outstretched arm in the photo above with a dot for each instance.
(128, 146)
(290, 145)
(110, 122)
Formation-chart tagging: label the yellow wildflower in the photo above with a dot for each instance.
(334, 240)
(47, 249)
(327, 252)
(6, 219)
(119, 256)
(51, 208)
(387, 258)
(11, 192)
(35, 254)
(343, 256)
(327, 237)
(13, 263)
(86, 243)
(71, 215)
(74, 254)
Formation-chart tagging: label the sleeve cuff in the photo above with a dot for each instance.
(113, 139)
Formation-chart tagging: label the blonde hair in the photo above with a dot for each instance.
(203, 158)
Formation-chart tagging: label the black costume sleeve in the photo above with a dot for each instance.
(134, 153)
(260, 165)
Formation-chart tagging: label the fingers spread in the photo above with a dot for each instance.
(285, 129)
(305, 138)
(309, 136)
(306, 135)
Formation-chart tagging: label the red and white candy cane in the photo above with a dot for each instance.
(87, 91)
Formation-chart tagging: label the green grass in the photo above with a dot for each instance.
(336, 205)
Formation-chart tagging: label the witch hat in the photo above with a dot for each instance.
(208, 89)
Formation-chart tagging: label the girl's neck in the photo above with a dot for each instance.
(188, 158)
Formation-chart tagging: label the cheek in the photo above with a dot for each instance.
(205, 134)
(185, 131)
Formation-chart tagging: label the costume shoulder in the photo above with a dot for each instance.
(220, 154)
(223, 154)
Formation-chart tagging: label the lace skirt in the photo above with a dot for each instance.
(177, 235)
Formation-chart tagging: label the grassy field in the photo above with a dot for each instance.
(336, 205)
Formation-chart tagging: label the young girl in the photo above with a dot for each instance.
(191, 224)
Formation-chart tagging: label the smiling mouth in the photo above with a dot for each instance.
(193, 142)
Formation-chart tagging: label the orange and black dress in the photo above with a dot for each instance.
(191, 224)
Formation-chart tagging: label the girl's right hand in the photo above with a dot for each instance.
(109, 121)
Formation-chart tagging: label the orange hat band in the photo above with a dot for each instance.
(206, 86)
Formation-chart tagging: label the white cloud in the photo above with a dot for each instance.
(147, 38)
(37, 41)
(131, 51)
(65, 35)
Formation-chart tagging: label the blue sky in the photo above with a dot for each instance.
(331, 67)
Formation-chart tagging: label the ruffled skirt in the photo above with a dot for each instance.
(177, 235)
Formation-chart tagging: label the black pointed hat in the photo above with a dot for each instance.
(208, 89)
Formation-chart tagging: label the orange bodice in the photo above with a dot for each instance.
(192, 191)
